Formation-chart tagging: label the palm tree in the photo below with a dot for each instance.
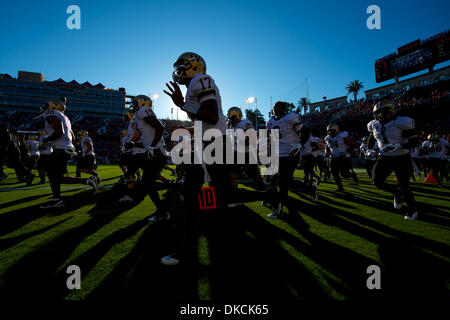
(354, 87)
(303, 103)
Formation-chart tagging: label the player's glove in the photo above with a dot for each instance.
(129, 145)
(295, 149)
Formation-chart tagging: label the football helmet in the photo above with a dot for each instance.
(333, 129)
(433, 137)
(42, 132)
(33, 137)
(123, 133)
(56, 104)
(384, 111)
(81, 134)
(234, 114)
(187, 66)
(140, 101)
(365, 140)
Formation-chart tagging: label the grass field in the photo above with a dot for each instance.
(320, 251)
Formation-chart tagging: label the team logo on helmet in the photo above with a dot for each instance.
(141, 101)
(187, 66)
(384, 111)
(56, 104)
(332, 129)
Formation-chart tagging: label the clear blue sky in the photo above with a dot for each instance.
(252, 48)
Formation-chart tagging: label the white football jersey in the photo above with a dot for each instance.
(244, 125)
(132, 128)
(146, 130)
(84, 147)
(47, 150)
(306, 148)
(287, 133)
(34, 147)
(337, 145)
(390, 134)
(438, 149)
(321, 150)
(203, 88)
(65, 141)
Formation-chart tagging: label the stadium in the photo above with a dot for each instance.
(94, 206)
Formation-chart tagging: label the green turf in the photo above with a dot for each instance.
(320, 251)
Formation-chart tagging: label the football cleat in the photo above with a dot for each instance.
(157, 217)
(314, 194)
(276, 213)
(92, 181)
(412, 217)
(170, 260)
(3, 177)
(30, 178)
(125, 199)
(397, 202)
(56, 203)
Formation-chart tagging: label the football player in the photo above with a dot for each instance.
(10, 153)
(395, 135)
(202, 102)
(149, 136)
(308, 160)
(369, 156)
(290, 128)
(318, 152)
(60, 138)
(33, 158)
(435, 149)
(44, 155)
(86, 158)
(235, 121)
(337, 145)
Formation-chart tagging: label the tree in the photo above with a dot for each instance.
(304, 104)
(252, 114)
(354, 87)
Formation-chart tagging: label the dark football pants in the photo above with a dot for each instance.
(368, 164)
(401, 165)
(308, 167)
(151, 172)
(55, 170)
(286, 175)
(339, 166)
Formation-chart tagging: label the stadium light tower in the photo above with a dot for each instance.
(250, 100)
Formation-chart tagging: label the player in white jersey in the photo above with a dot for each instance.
(33, 144)
(369, 156)
(318, 152)
(153, 159)
(86, 161)
(308, 160)
(290, 128)
(235, 122)
(44, 155)
(60, 137)
(337, 145)
(436, 149)
(394, 135)
(202, 103)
